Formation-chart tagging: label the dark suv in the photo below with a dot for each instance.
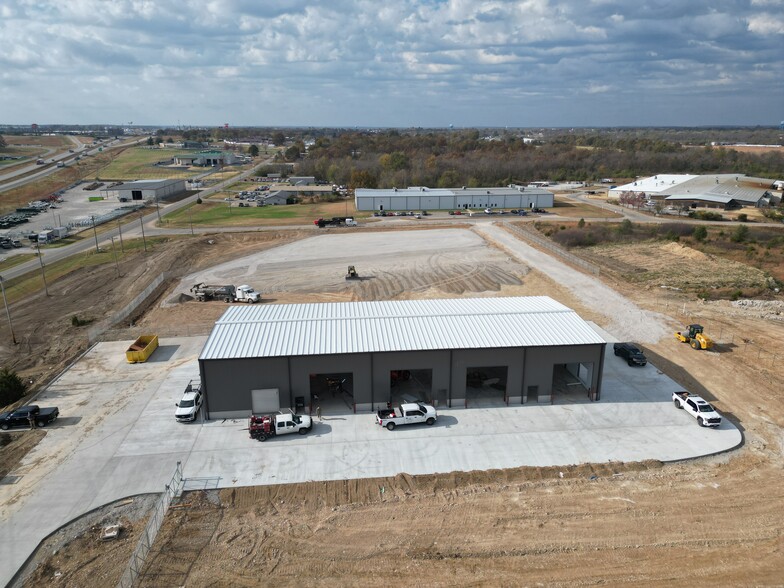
(631, 353)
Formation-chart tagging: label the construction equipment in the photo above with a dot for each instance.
(352, 273)
(695, 337)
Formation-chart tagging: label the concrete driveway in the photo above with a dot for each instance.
(117, 437)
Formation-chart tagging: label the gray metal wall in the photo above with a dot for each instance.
(227, 383)
(358, 364)
(511, 358)
(430, 202)
(541, 361)
(383, 363)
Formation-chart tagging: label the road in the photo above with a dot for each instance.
(24, 176)
(147, 220)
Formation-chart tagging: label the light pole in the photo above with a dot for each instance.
(43, 271)
(95, 233)
(144, 240)
(7, 312)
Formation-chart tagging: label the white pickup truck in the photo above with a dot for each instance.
(264, 426)
(697, 407)
(406, 414)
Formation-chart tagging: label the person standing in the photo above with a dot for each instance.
(31, 420)
(318, 412)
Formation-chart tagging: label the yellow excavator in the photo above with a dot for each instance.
(694, 337)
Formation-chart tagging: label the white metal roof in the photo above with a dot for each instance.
(280, 330)
(512, 190)
(655, 184)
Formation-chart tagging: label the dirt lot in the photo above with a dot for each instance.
(714, 521)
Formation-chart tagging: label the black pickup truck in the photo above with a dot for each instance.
(21, 416)
(631, 353)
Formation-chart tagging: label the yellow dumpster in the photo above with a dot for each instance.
(142, 348)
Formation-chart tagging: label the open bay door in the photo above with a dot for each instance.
(265, 401)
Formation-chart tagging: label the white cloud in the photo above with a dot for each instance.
(766, 24)
(405, 62)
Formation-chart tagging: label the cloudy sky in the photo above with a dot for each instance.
(401, 63)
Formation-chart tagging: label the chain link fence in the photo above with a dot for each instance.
(725, 338)
(136, 564)
(529, 234)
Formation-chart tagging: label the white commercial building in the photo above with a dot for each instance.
(422, 198)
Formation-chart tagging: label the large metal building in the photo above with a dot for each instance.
(358, 356)
(421, 198)
(150, 190)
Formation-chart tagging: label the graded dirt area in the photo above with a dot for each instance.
(712, 521)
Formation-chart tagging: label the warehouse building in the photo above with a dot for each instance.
(421, 198)
(149, 190)
(358, 356)
(725, 191)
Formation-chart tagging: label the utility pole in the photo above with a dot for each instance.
(43, 271)
(95, 233)
(190, 215)
(119, 228)
(158, 208)
(144, 240)
(117, 265)
(7, 312)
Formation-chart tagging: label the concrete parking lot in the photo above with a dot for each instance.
(117, 437)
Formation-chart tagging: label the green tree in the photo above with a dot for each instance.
(253, 150)
(12, 388)
(581, 223)
(278, 138)
(150, 141)
(2, 141)
(700, 233)
(740, 234)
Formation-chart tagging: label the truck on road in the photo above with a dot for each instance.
(20, 417)
(247, 294)
(697, 407)
(406, 414)
(262, 427)
(225, 292)
(335, 221)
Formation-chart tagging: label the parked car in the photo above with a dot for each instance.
(697, 407)
(20, 417)
(406, 414)
(188, 407)
(631, 353)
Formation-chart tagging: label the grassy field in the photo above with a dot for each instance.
(576, 209)
(213, 214)
(137, 163)
(10, 262)
(23, 286)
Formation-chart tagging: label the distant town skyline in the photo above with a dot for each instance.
(427, 63)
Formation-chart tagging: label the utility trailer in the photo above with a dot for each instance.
(203, 292)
